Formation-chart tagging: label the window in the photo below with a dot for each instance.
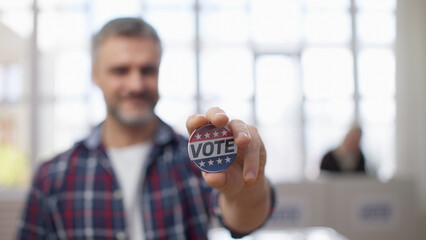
(301, 70)
(15, 29)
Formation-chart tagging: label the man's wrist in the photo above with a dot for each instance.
(248, 210)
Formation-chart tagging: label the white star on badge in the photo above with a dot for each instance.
(198, 136)
(224, 132)
(219, 161)
(201, 164)
(227, 159)
(207, 135)
(216, 134)
(210, 162)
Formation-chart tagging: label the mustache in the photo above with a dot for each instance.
(137, 95)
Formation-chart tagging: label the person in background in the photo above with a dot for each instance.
(347, 157)
(132, 178)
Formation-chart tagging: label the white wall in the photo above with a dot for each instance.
(411, 95)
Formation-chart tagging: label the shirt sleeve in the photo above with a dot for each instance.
(32, 224)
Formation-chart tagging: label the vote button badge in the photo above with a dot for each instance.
(212, 149)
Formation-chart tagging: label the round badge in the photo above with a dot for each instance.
(212, 149)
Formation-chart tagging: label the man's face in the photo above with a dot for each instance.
(126, 69)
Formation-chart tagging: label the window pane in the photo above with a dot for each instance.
(55, 27)
(169, 3)
(328, 4)
(339, 112)
(224, 3)
(284, 151)
(278, 89)
(176, 79)
(72, 74)
(61, 123)
(224, 26)
(70, 123)
(378, 144)
(377, 73)
(226, 73)
(97, 107)
(47, 30)
(328, 73)
(234, 108)
(376, 27)
(327, 27)
(175, 111)
(19, 21)
(105, 10)
(278, 96)
(381, 5)
(172, 25)
(50, 4)
(3, 91)
(276, 21)
(15, 4)
(378, 111)
(14, 83)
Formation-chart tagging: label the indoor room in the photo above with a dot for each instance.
(319, 106)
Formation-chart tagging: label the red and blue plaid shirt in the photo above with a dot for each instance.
(76, 195)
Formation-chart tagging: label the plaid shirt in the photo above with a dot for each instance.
(76, 195)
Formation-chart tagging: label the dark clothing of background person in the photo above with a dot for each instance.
(330, 163)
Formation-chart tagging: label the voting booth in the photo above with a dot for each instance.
(358, 207)
(364, 208)
(315, 233)
(298, 205)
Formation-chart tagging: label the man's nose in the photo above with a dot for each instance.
(136, 81)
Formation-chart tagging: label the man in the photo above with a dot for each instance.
(131, 178)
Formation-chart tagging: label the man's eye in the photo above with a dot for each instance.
(148, 71)
(120, 70)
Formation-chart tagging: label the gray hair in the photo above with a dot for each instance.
(127, 27)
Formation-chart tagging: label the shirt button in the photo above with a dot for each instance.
(120, 235)
(117, 194)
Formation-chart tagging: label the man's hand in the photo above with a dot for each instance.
(245, 198)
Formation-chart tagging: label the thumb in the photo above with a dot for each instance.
(215, 180)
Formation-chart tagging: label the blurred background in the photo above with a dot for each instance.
(302, 71)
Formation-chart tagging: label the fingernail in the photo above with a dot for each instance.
(243, 134)
(220, 113)
(250, 175)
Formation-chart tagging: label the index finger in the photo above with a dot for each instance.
(214, 115)
(241, 133)
(195, 121)
(217, 117)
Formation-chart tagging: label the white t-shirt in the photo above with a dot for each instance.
(129, 167)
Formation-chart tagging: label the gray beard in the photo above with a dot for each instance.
(132, 121)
